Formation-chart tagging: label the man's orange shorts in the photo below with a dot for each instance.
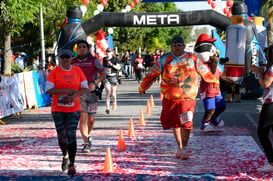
(171, 110)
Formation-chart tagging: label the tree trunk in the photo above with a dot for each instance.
(7, 54)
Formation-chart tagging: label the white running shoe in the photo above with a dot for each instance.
(207, 127)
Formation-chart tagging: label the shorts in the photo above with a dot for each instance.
(213, 103)
(110, 80)
(89, 103)
(172, 111)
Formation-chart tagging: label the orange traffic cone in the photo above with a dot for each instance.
(161, 95)
(131, 130)
(148, 108)
(121, 143)
(2, 122)
(141, 118)
(108, 163)
(152, 104)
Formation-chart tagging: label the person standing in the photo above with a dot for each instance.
(127, 59)
(139, 67)
(179, 87)
(265, 124)
(66, 83)
(91, 67)
(111, 67)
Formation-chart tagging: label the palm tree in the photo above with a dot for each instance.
(267, 11)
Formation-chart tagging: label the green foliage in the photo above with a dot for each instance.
(17, 69)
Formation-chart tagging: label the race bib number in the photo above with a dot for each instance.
(186, 117)
(62, 101)
(92, 108)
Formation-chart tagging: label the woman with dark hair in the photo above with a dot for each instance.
(265, 124)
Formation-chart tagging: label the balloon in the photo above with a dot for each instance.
(96, 12)
(100, 7)
(136, 1)
(209, 1)
(83, 9)
(110, 30)
(85, 2)
(229, 3)
(103, 2)
(128, 8)
(131, 4)
(90, 40)
(229, 14)
(213, 5)
(124, 11)
(225, 10)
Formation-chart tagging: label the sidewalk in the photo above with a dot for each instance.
(29, 148)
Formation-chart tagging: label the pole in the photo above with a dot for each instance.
(42, 37)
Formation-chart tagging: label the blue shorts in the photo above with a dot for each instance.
(213, 103)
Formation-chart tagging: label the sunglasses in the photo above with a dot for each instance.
(177, 44)
(65, 56)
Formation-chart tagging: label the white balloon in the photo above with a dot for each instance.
(83, 9)
(100, 7)
(96, 12)
(124, 11)
(128, 8)
(89, 40)
(110, 30)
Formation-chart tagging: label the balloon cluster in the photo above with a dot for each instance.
(100, 7)
(226, 10)
(101, 44)
(129, 7)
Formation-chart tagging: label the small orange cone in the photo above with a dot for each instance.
(121, 142)
(152, 104)
(2, 122)
(148, 108)
(131, 130)
(161, 95)
(141, 118)
(108, 163)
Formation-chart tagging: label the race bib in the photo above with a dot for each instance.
(92, 107)
(62, 101)
(186, 117)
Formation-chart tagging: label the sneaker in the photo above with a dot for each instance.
(114, 106)
(182, 153)
(266, 168)
(107, 111)
(71, 170)
(206, 127)
(219, 122)
(90, 140)
(65, 164)
(86, 148)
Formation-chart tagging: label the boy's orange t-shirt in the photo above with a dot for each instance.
(63, 79)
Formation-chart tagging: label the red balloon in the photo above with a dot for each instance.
(103, 2)
(229, 3)
(131, 4)
(213, 5)
(85, 2)
(209, 1)
(225, 10)
(136, 1)
(229, 14)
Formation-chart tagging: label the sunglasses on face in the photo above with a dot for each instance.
(177, 44)
(65, 56)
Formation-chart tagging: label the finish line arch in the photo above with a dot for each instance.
(74, 30)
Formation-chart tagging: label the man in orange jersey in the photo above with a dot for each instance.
(179, 85)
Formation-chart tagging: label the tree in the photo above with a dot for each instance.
(267, 11)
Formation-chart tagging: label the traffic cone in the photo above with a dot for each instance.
(121, 143)
(2, 122)
(148, 108)
(152, 104)
(131, 130)
(141, 118)
(108, 163)
(161, 95)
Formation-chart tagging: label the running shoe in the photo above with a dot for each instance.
(65, 164)
(218, 122)
(114, 106)
(86, 148)
(107, 111)
(71, 170)
(207, 127)
(90, 140)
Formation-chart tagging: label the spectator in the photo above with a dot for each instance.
(127, 64)
(139, 67)
(19, 60)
